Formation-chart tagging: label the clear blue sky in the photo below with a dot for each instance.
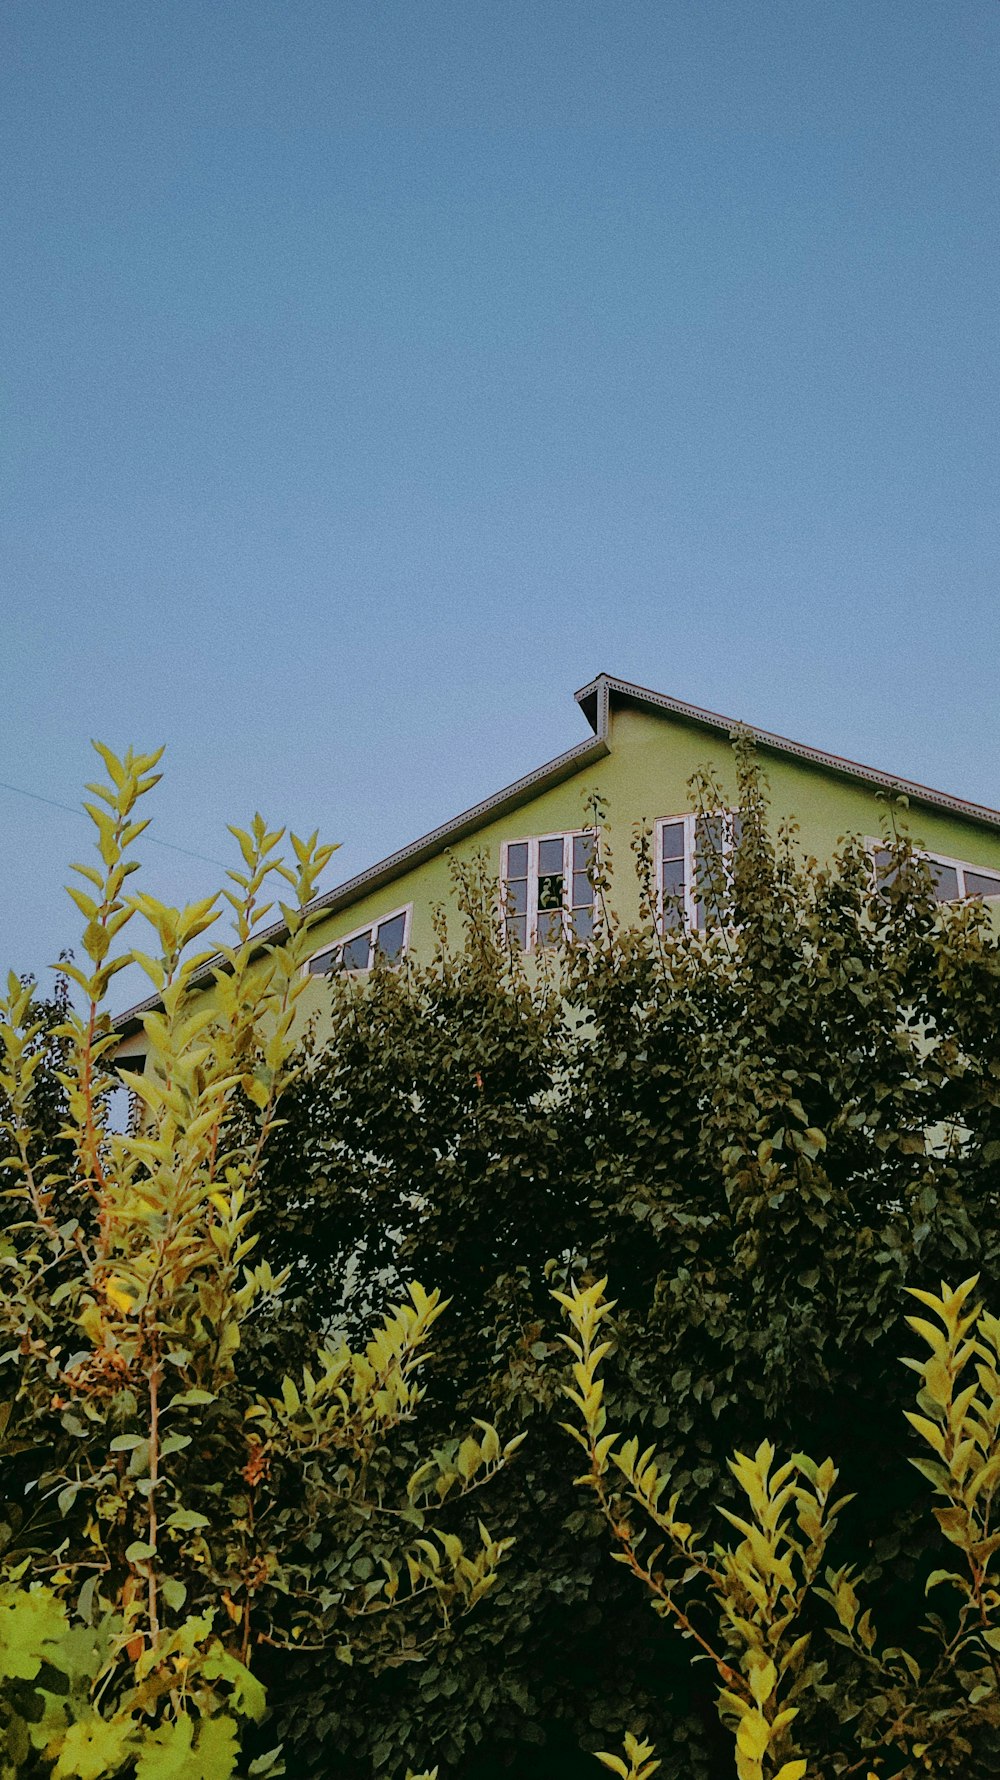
(375, 372)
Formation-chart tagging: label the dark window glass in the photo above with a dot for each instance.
(981, 883)
(550, 875)
(325, 962)
(550, 928)
(584, 852)
(945, 880)
(389, 943)
(550, 892)
(517, 930)
(583, 890)
(517, 860)
(357, 950)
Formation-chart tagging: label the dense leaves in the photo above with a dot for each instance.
(166, 1515)
(828, 1698)
(762, 1132)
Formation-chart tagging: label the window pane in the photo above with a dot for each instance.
(325, 962)
(885, 869)
(550, 857)
(550, 928)
(390, 937)
(550, 892)
(584, 851)
(515, 894)
(945, 880)
(673, 840)
(517, 860)
(356, 951)
(981, 883)
(583, 890)
(673, 877)
(709, 841)
(582, 922)
(709, 862)
(517, 930)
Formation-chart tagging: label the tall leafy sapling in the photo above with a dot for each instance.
(165, 1518)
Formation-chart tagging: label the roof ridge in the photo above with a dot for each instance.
(839, 763)
(595, 702)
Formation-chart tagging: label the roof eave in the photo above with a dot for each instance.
(386, 870)
(605, 687)
(594, 700)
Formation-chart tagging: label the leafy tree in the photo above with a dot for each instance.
(762, 1130)
(167, 1518)
(795, 1705)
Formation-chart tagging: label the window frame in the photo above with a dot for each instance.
(958, 866)
(533, 842)
(370, 927)
(690, 820)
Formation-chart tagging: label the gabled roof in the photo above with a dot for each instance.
(595, 701)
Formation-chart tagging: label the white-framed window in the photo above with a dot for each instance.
(388, 939)
(693, 853)
(953, 879)
(547, 888)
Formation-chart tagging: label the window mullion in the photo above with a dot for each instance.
(690, 867)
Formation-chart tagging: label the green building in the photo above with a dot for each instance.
(640, 752)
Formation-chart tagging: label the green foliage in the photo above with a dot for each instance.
(762, 1132)
(747, 1608)
(51, 1670)
(639, 1761)
(187, 1515)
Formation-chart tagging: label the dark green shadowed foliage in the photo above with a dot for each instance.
(761, 1132)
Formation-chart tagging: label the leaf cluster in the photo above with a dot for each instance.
(746, 1608)
(762, 1130)
(168, 1518)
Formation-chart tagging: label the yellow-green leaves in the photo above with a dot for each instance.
(94, 1747)
(32, 1622)
(958, 1418)
(639, 1761)
(199, 1517)
(586, 1308)
(757, 1589)
(336, 1418)
(760, 1588)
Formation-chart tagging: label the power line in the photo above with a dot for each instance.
(72, 810)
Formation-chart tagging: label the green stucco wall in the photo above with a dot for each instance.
(645, 776)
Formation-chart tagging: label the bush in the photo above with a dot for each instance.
(165, 1517)
(794, 1702)
(762, 1132)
